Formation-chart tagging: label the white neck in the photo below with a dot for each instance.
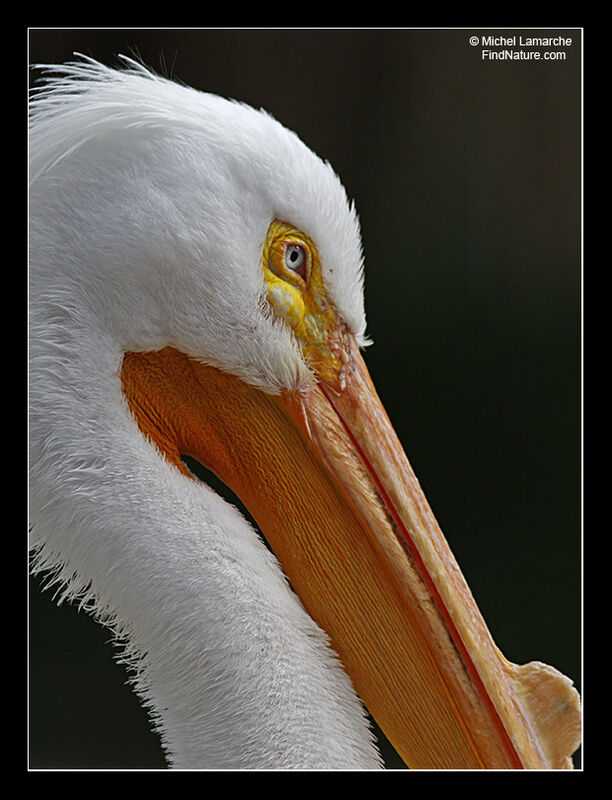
(234, 672)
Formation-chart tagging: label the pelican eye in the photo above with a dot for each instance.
(295, 259)
(289, 257)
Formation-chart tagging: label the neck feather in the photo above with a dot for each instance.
(234, 672)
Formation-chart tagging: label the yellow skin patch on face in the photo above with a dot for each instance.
(297, 294)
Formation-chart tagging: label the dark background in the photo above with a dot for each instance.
(467, 178)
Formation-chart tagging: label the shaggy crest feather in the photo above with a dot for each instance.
(224, 656)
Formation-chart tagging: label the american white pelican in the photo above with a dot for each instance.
(196, 289)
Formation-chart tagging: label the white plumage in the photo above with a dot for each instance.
(162, 220)
(149, 207)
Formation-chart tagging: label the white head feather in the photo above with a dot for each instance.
(192, 181)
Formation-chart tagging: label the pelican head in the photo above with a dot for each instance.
(197, 290)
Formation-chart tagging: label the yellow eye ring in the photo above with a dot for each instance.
(290, 258)
(296, 293)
